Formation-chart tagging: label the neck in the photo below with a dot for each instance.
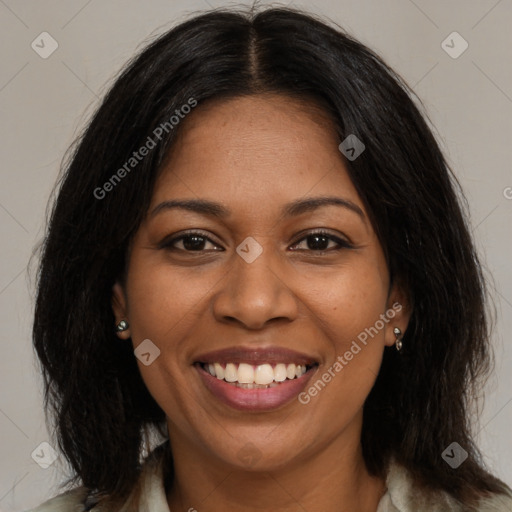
(332, 478)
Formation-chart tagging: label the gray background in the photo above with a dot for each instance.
(43, 102)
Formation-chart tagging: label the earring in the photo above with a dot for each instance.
(122, 326)
(398, 343)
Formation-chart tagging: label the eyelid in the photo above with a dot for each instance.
(341, 242)
(168, 241)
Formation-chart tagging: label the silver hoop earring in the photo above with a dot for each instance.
(122, 326)
(398, 343)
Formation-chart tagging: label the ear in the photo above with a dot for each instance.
(119, 307)
(399, 309)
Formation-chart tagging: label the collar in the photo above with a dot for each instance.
(402, 495)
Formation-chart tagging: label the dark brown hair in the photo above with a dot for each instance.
(420, 402)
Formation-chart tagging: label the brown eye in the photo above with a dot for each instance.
(319, 242)
(190, 242)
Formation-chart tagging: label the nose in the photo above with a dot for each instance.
(253, 294)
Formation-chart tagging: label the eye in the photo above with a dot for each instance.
(193, 241)
(197, 241)
(318, 241)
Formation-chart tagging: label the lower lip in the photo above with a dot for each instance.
(262, 399)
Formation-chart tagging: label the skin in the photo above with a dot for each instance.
(254, 155)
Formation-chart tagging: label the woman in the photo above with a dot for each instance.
(258, 251)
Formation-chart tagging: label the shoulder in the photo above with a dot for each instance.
(70, 501)
(150, 479)
(403, 496)
(498, 503)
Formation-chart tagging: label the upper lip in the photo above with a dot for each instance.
(255, 355)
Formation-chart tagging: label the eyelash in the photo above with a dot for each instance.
(342, 244)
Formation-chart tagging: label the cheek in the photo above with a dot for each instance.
(347, 303)
(163, 307)
(166, 305)
(165, 302)
(162, 301)
(349, 312)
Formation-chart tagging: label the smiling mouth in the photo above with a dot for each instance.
(251, 376)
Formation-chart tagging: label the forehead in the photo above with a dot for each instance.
(269, 119)
(255, 149)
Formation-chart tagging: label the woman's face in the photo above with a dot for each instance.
(253, 291)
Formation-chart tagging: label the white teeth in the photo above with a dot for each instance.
(230, 373)
(264, 374)
(280, 372)
(219, 371)
(248, 376)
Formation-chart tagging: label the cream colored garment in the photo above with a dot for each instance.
(401, 496)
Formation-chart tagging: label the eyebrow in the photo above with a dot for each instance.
(212, 209)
